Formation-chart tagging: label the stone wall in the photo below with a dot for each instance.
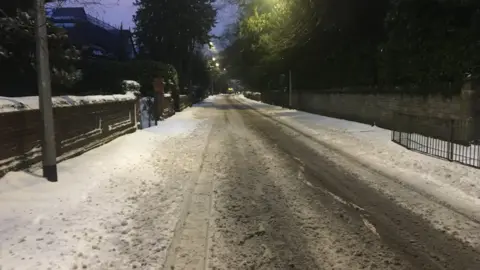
(435, 116)
(164, 107)
(167, 107)
(253, 95)
(185, 102)
(81, 123)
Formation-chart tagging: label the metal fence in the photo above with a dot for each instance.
(453, 149)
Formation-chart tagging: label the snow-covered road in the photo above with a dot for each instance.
(220, 186)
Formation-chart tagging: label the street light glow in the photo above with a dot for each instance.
(214, 59)
(217, 64)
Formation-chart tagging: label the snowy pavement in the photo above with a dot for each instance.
(221, 186)
(95, 216)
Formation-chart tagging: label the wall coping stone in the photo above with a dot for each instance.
(14, 104)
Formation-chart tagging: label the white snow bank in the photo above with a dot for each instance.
(210, 98)
(9, 104)
(179, 123)
(207, 102)
(448, 182)
(81, 221)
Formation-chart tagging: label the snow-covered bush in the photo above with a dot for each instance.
(253, 95)
(129, 86)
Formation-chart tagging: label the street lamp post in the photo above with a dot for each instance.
(49, 153)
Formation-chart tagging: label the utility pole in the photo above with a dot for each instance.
(290, 88)
(49, 153)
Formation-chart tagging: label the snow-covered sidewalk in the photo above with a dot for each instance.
(450, 184)
(96, 215)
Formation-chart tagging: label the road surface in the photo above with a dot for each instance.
(265, 197)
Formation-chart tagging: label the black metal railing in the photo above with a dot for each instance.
(450, 144)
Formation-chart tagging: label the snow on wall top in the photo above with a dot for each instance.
(13, 104)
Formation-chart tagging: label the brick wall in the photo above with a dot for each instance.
(428, 115)
(78, 128)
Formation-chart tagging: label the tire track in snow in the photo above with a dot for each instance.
(362, 211)
(189, 246)
(264, 220)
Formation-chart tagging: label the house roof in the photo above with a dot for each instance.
(70, 12)
(91, 31)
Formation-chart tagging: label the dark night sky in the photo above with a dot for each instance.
(116, 12)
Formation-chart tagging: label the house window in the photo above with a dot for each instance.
(65, 25)
(97, 52)
(63, 17)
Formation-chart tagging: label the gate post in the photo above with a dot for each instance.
(450, 142)
(158, 86)
(471, 98)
